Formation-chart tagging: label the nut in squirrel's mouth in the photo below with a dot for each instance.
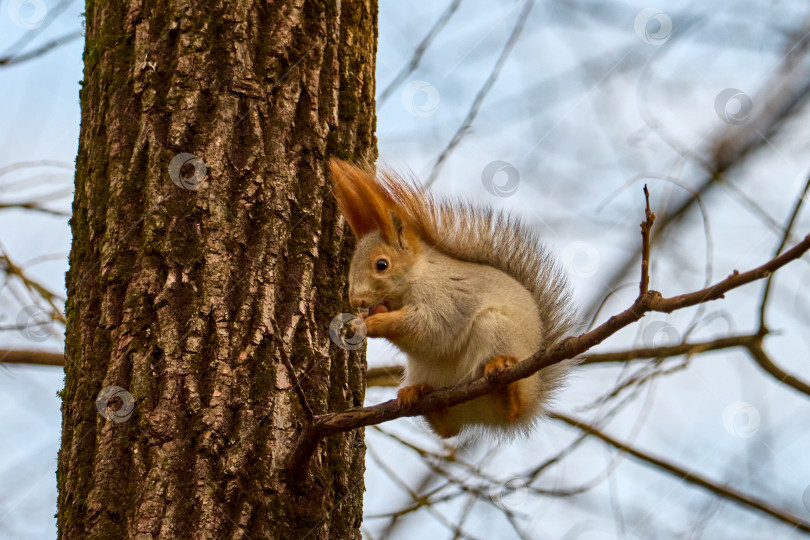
(383, 306)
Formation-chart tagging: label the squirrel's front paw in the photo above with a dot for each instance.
(385, 324)
(374, 325)
(409, 394)
(498, 364)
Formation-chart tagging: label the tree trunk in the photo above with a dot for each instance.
(206, 250)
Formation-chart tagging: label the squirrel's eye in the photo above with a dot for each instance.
(381, 264)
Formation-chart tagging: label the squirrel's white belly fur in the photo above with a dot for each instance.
(488, 314)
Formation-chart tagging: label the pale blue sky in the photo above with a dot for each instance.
(576, 136)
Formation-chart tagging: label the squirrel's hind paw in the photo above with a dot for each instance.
(409, 394)
(498, 364)
(507, 397)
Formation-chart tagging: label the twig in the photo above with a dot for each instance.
(39, 358)
(482, 92)
(10, 268)
(782, 243)
(35, 208)
(646, 226)
(465, 513)
(38, 163)
(764, 361)
(398, 481)
(670, 350)
(419, 52)
(690, 476)
(51, 15)
(392, 375)
(39, 51)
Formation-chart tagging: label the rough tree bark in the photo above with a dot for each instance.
(184, 297)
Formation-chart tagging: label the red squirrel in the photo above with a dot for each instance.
(462, 290)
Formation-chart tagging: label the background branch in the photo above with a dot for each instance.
(419, 52)
(39, 358)
(392, 375)
(482, 93)
(781, 96)
(691, 477)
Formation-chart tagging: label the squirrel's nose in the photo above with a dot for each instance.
(355, 301)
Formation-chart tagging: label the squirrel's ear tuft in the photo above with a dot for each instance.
(407, 239)
(362, 201)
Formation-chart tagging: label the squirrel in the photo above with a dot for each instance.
(463, 290)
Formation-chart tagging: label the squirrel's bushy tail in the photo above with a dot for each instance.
(479, 234)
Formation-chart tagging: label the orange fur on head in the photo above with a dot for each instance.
(367, 208)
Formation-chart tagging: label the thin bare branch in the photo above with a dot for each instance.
(28, 37)
(646, 226)
(690, 477)
(398, 481)
(392, 375)
(482, 92)
(37, 163)
(41, 50)
(669, 351)
(419, 52)
(33, 286)
(37, 358)
(788, 228)
(34, 207)
(764, 361)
